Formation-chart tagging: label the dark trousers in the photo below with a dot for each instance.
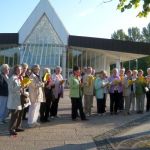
(105, 96)
(54, 107)
(121, 102)
(42, 111)
(114, 101)
(100, 106)
(16, 119)
(45, 110)
(77, 105)
(148, 101)
(25, 110)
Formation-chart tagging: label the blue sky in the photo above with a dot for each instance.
(80, 17)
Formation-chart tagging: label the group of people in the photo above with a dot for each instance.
(24, 90)
(127, 90)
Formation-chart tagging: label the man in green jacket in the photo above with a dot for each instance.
(76, 94)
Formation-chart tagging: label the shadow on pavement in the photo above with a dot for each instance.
(84, 146)
(127, 142)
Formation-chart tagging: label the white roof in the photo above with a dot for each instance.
(43, 7)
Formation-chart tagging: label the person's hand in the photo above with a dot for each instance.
(21, 90)
(42, 84)
(107, 84)
(81, 84)
(62, 82)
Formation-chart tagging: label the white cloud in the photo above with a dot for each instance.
(86, 12)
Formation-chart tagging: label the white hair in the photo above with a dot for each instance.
(47, 70)
(35, 66)
(3, 66)
(148, 69)
(58, 67)
(116, 70)
(123, 69)
(135, 71)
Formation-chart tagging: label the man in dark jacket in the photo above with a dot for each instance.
(3, 92)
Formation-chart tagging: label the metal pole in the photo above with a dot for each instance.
(86, 58)
(136, 64)
(72, 58)
(77, 57)
(81, 58)
(95, 60)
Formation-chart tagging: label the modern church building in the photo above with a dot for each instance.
(44, 40)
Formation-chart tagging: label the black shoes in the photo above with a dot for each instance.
(13, 133)
(74, 119)
(24, 118)
(139, 112)
(116, 113)
(44, 120)
(84, 119)
(19, 130)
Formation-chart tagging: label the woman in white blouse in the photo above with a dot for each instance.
(14, 102)
(58, 90)
(36, 96)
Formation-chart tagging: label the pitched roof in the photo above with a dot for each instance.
(43, 7)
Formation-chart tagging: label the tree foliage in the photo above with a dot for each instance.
(146, 33)
(119, 35)
(128, 4)
(135, 35)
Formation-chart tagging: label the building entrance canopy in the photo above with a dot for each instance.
(52, 55)
(101, 53)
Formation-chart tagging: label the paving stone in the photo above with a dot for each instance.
(64, 134)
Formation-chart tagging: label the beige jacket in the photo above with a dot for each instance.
(126, 87)
(36, 89)
(14, 87)
(88, 84)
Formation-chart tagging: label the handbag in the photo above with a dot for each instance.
(24, 98)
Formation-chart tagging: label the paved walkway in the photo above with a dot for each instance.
(100, 132)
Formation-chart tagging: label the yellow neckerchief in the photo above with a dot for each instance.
(90, 79)
(121, 77)
(141, 79)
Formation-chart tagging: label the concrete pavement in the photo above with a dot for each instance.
(99, 132)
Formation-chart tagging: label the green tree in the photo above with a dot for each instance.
(134, 34)
(146, 33)
(128, 4)
(119, 35)
(144, 63)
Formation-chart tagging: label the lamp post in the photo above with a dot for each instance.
(129, 64)
(136, 63)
